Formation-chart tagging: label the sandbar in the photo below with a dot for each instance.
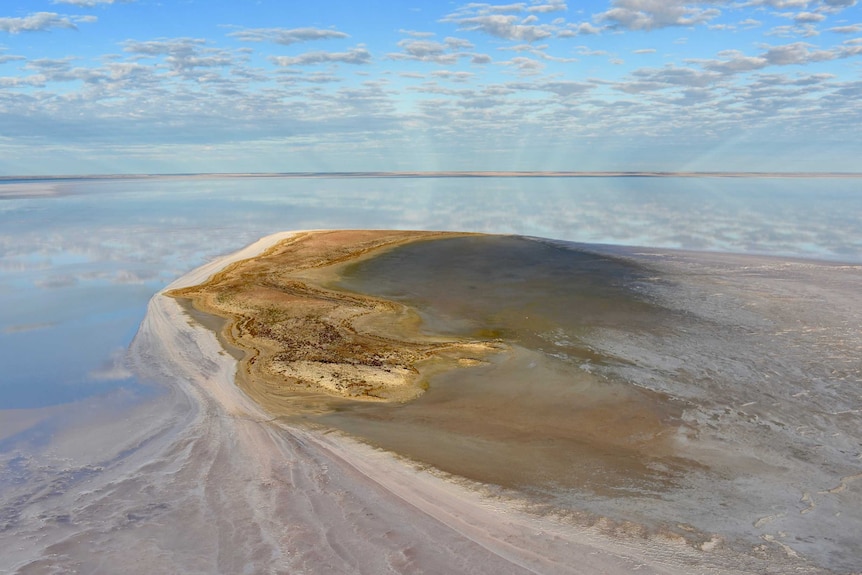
(299, 334)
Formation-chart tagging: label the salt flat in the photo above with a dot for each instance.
(216, 484)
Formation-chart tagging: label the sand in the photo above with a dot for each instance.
(217, 484)
(299, 335)
(324, 503)
(364, 510)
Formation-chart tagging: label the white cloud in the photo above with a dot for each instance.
(850, 29)
(565, 89)
(506, 27)
(553, 6)
(41, 22)
(797, 53)
(502, 21)
(10, 58)
(459, 77)
(417, 34)
(582, 29)
(655, 14)
(425, 51)
(525, 66)
(808, 17)
(86, 3)
(286, 36)
(781, 4)
(358, 55)
(112, 370)
(182, 55)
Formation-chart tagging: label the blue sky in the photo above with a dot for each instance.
(113, 86)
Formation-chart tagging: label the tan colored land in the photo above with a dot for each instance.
(300, 334)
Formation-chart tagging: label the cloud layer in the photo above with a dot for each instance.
(663, 84)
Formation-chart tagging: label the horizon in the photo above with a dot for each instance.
(145, 87)
(433, 174)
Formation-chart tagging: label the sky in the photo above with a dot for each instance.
(179, 86)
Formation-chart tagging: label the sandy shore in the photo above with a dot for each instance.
(323, 503)
(216, 484)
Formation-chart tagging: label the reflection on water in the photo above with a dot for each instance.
(78, 266)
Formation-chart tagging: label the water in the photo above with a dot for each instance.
(80, 259)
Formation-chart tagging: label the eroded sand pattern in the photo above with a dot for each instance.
(300, 336)
(676, 413)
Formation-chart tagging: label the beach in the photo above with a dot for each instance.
(340, 506)
(694, 471)
(456, 496)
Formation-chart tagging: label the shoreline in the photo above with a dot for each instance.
(497, 528)
(433, 174)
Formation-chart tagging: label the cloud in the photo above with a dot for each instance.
(850, 29)
(781, 4)
(10, 58)
(797, 53)
(183, 55)
(286, 36)
(506, 27)
(565, 89)
(827, 5)
(539, 51)
(460, 77)
(647, 80)
(417, 34)
(358, 56)
(112, 370)
(502, 21)
(582, 29)
(422, 50)
(808, 18)
(655, 14)
(525, 66)
(42, 22)
(553, 6)
(86, 3)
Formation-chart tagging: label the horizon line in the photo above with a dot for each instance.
(439, 174)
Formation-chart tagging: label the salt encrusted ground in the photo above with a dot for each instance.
(214, 484)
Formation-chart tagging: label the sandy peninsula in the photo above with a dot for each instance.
(297, 333)
(217, 484)
(282, 498)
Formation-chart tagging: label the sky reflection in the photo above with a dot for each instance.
(78, 267)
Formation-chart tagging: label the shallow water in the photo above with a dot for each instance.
(99, 465)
